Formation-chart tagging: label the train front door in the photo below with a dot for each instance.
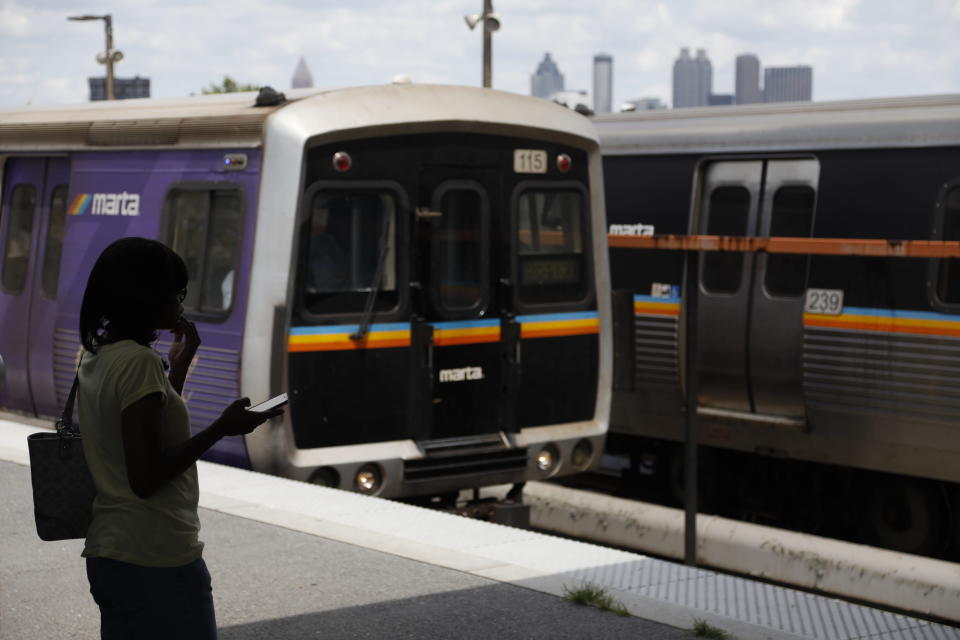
(459, 303)
(397, 331)
(32, 218)
(751, 305)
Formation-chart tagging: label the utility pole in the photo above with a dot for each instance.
(487, 46)
(491, 23)
(109, 57)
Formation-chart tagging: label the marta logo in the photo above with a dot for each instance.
(459, 375)
(631, 230)
(106, 204)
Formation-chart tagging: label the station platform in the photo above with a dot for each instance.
(291, 560)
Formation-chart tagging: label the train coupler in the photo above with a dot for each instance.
(509, 511)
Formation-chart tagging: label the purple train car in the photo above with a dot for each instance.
(422, 268)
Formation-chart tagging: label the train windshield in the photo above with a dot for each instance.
(350, 251)
(550, 246)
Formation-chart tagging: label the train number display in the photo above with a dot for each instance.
(827, 302)
(529, 161)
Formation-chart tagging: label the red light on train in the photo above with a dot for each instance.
(564, 163)
(342, 161)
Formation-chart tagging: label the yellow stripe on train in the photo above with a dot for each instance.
(342, 341)
(468, 335)
(883, 323)
(658, 308)
(559, 328)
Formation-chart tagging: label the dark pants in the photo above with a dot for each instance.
(144, 603)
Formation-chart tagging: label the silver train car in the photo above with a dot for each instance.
(829, 386)
(422, 268)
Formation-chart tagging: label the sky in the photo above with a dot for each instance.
(857, 48)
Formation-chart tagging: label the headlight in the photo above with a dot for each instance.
(581, 454)
(368, 479)
(325, 477)
(547, 459)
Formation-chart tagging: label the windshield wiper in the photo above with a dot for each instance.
(364, 328)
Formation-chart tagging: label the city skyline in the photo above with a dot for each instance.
(547, 80)
(692, 79)
(860, 49)
(603, 83)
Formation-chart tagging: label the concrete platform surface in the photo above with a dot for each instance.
(271, 582)
(290, 560)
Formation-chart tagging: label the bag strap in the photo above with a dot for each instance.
(65, 423)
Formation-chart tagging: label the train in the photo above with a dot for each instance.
(422, 268)
(829, 385)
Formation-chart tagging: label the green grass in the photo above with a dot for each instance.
(590, 595)
(703, 630)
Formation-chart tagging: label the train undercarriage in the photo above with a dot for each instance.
(911, 515)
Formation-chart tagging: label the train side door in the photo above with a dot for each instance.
(751, 305)
(31, 231)
(457, 276)
(729, 207)
(776, 313)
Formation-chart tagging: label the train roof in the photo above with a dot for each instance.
(927, 121)
(233, 120)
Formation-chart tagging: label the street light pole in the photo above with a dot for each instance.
(487, 46)
(108, 57)
(491, 22)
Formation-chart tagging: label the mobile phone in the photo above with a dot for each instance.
(272, 403)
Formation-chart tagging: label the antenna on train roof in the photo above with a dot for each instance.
(269, 97)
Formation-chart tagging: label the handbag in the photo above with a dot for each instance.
(63, 489)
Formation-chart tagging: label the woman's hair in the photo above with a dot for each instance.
(128, 288)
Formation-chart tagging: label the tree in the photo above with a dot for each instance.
(229, 85)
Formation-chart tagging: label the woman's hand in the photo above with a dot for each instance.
(186, 340)
(237, 420)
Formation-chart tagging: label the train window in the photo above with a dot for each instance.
(729, 208)
(459, 249)
(23, 203)
(223, 251)
(205, 228)
(350, 240)
(948, 280)
(551, 263)
(790, 217)
(54, 245)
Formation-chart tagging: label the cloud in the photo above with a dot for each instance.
(14, 20)
(857, 47)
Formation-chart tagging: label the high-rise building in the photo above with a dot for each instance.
(602, 83)
(692, 79)
(547, 80)
(302, 78)
(747, 90)
(788, 84)
(123, 88)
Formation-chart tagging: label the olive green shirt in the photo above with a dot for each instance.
(159, 531)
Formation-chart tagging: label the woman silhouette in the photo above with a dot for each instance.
(144, 559)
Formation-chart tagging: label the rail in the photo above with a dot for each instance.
(692, 246)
